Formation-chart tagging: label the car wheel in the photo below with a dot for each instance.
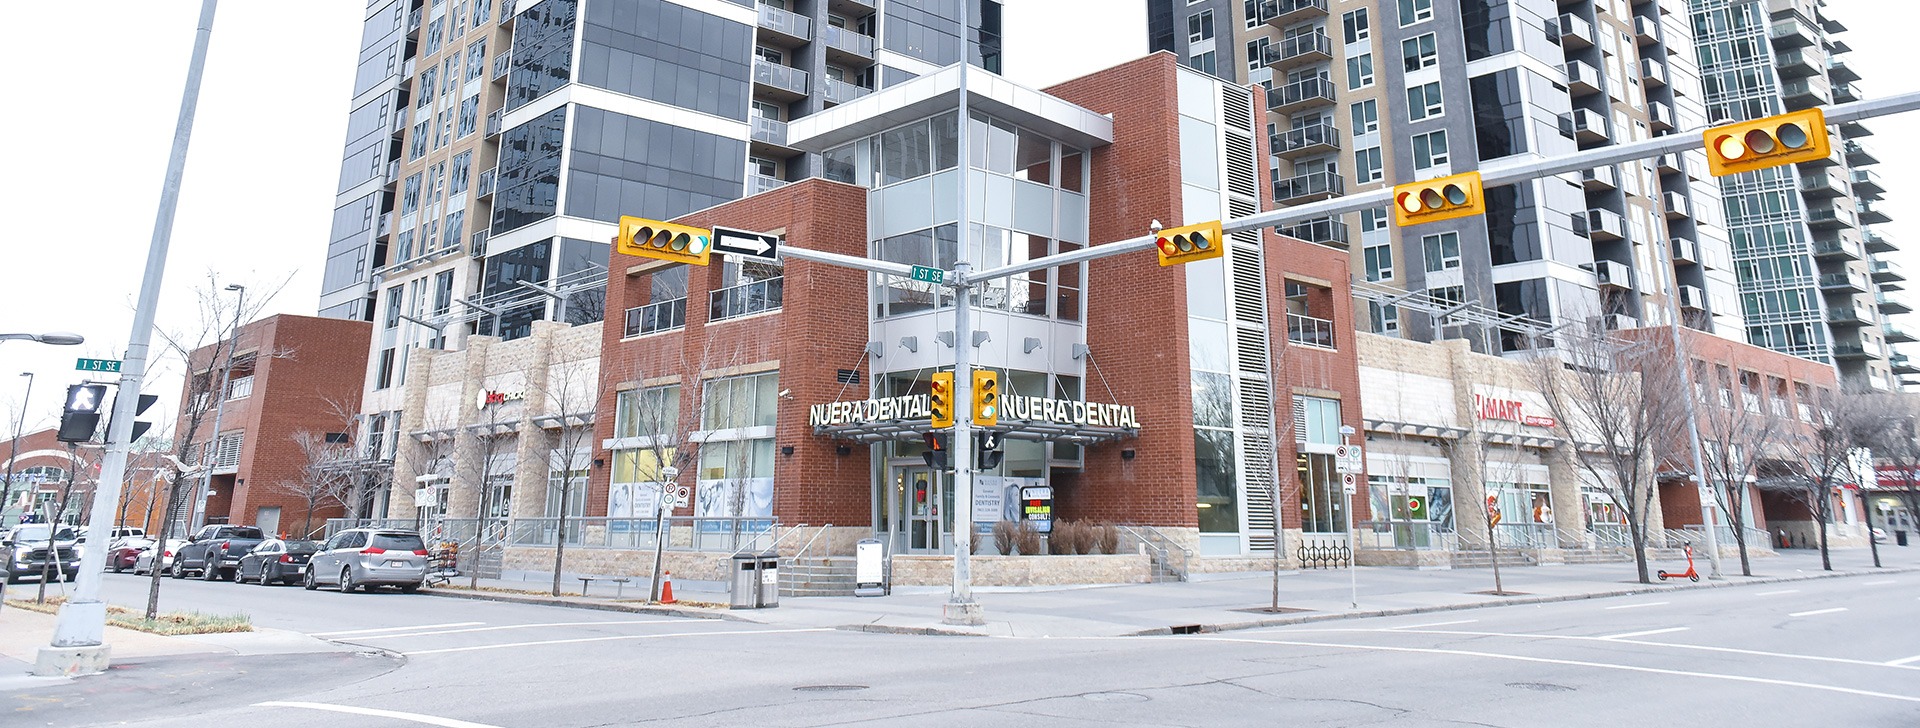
(346, 580)
(209, 572)
(179, 570)
(409, 588)
(118, 568)
(309, 583)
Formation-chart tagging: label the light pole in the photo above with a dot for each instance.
(219, 393)
(57, 338)
(19, 431)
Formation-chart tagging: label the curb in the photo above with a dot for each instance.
(890, 629)
(1403, 611)
(549, 601)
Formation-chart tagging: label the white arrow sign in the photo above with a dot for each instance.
(746, 243)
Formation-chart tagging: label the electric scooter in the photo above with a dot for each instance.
(1689, 573)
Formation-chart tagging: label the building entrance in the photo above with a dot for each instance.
(919, 510)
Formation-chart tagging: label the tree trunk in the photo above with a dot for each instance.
(1639, 549)
(1740, 538)
(1826, 561)
(560, 536)
(160, 548)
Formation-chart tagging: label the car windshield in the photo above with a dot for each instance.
(241, 533)
(303, 547)
(398, 542)
(39, 533)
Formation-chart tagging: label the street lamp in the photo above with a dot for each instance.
(19, 430)
(57, 338)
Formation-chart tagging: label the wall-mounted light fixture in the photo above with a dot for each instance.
(786, 449)
(1127, 454)
(842, 450)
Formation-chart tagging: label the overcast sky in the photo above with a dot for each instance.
(90, 139)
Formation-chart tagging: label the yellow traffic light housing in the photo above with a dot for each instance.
(664, 241)
(986, 396)
(1776, 140)
(942, 400)
(1440, 198)
(1190, 243)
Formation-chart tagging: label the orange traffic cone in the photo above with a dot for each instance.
(666, 589)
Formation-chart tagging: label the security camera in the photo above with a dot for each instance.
(784, 393)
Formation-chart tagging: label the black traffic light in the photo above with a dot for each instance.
(936, 454)
(988, 443)
(139, 428)
(81, 415)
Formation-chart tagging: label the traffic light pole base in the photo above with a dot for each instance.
(966, 613)
(72, 661)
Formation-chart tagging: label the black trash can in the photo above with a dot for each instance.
(1900, 537)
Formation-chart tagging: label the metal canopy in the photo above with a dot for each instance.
(1036, 430)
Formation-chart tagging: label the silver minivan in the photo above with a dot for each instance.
(364, 558)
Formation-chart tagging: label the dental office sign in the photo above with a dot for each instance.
(1510, 410)
(916, 406)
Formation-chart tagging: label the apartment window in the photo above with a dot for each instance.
(1385, 317)
(769, 55)
(1257, 53)
(469, 115)
(1360, 71)
(423, 89)
(1200, 26)
(477, 59)
(417, 144)
(1430, 149)
(1367, 165)
(436, 35)
(442, 292)
(1366, 117)
(483, 11)
(1424, 101)
(1414, 11)
(1353, 26)
(1443, 251)
(461, 174)
(1373, 219)
(1379, 262)
(1419, 52)
(1204, 63)
(1251, 10)
(1448, 295)
(455, 229)
(410, 195)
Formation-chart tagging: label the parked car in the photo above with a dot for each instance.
(143, 563)
(276, 562)
(1879, 535)
(215, 551)
(36, 548)
(128, 532)
(369, 557)
(124, 552)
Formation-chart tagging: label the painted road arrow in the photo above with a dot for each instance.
(746, 243)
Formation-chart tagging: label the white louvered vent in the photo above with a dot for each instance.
(1299, 421)
(1249, 288)
(1241, 179)
(1236, 106)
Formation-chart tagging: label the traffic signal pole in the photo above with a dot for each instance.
(79, 634)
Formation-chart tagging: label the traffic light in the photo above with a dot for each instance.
(139, 428)
(942, 400)
(1440, 198)
(936, 453)
(81, 416)
(987, 443)
(1191, 243)
(1776, 140)
(986, 397)
(664, 240)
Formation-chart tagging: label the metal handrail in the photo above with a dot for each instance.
(809, 545)
(776, 542)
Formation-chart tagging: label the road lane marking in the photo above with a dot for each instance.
(1574, 663)
(378, 713)
(1904, 661)
(1647, 633)
(1818, 612)
(392, 629)
(1637, 606)
(1777, 593)
(1877, 583)
(1436, 624)
(1582, 638)
(579, 640)
(515, 626)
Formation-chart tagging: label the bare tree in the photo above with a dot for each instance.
(570, 388)
(1736, 440)
(1617, 402)
(1898, 445)
(1820, 456)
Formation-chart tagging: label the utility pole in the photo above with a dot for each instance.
(218, 390)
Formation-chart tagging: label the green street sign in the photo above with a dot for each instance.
(97, 365)
(930, 275)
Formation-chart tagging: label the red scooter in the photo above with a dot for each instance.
(1689, 573)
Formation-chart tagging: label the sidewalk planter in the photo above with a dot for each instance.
(1026, 570)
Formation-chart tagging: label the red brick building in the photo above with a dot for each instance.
(40, 472)
(292, 379)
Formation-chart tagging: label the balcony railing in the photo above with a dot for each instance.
(486, 184)
(849, 41)
(771, 131)
(493, 122)
(784, 78)
(1306, 92)
(1310, 185)
(1309, 331)
(1313, 138)
(758, 183)
(240, 387)
(501, 64)
(840, 92)
(657, 317)
(1282, 13)
(1324, 230)
(745, 299)
(785, 23)
(1299, 50)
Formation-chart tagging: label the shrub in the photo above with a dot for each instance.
(1026, 539)
(1005, 533)
(1086, 538)
(1107, 538)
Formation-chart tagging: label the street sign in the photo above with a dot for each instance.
(1349, 483)
(1347, 459)
(746, 243)
(97, 365)
(929, 275)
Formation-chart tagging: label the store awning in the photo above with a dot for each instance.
(1038, 430)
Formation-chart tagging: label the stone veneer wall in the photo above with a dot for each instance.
(1026, 570)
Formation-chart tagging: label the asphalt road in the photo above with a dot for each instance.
(1823, 652)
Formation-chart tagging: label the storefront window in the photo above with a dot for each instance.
(650, 412)
(1217, 490)
(1322, 508)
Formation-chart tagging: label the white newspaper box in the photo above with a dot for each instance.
(870, 568)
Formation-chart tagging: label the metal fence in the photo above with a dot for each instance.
(718, 535)
(1404, 535)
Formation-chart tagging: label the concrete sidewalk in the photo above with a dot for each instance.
(1208, 603)
(23, 632)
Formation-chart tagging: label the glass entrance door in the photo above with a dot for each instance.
(922, 509)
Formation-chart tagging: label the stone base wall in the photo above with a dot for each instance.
(696, 565)
(1405, 558)
(1230, 564)
(1026, 570)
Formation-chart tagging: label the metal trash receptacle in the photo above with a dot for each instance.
(1900, 537)
(769, 580)
(745, 591)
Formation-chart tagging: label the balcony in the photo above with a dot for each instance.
(1668, 163)
(1837, 248)
(1867, 184)
(1324, 231)
(1676, 205)
(1316, 138)
(1870, 215)
(484, 188)
(840, 92)
(745, 300)
(494, 119)
(769, 131)
(847, 47)
(1599, 179)
(1582, 78)
(1585, 126)
(1839, 71)
(1901, 365)
(1605, 225)
(1850, 350)
(1846, 92)
(1821, 185)
(1574, 32)
(1646, 30)
(784, 29)
(1853, 129)
(777, 82)
(1793, 33)
(1660, 116)
(1831, 217)
(1282, 13)
(1308, 187)
(1309, 331)
(758, 183)
(1612, 274)
(1805, 93)
(385, 226)
(501, 64)
(1878, 243)
(1685, 250)
(1693, 297)
(1799, 62)
(654, 318)
(393, 171)
(1653, 72)
(506, 14)
(1847, 281)
(1295, 51)
(1894, 334)
(1886, 271)
(1858, 156)
(1305, 93)
(413, 21)
(1849, 316)
(477, 244)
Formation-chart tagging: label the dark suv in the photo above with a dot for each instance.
(28, 546)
